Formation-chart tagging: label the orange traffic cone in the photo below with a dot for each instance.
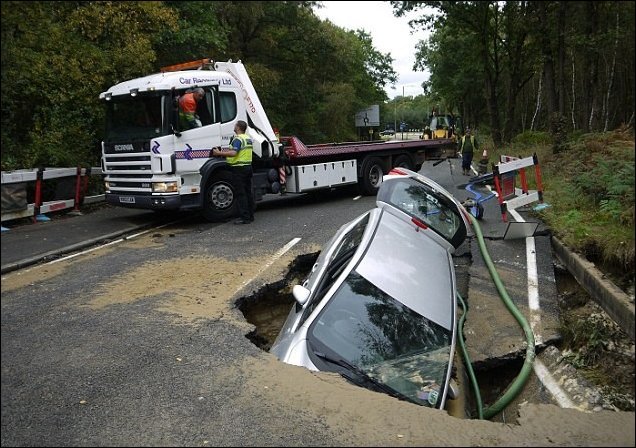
(483, 163)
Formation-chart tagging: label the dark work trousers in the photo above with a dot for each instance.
(467, 159)
(242, 176)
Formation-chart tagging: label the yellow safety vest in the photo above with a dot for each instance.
(244, 155)
(472, 142)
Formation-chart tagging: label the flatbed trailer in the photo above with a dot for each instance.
(329, 165)
(297, 151)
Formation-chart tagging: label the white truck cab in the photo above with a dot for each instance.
(150, 161)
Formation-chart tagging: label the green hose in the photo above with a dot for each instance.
(469, 365)
(517, 385)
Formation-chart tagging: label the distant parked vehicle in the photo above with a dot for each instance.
(388, 132)
(379, 306)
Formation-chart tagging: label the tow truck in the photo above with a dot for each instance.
(150, 161)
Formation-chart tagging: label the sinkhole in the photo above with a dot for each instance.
(267, 309)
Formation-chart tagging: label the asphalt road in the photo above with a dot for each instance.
(96, 353)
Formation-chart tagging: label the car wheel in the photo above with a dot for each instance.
(219, 203)
(372, 172)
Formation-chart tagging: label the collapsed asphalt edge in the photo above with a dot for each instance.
(615, 302)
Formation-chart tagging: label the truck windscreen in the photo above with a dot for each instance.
(135, 117)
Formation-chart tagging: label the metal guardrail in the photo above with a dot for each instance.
(14, 192)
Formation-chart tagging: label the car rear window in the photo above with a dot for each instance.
(429, 206)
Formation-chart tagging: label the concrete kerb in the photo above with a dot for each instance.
(71, 248)
(616, 303)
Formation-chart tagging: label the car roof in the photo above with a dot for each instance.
(409, 265)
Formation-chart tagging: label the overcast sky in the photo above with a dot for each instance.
(389, 34)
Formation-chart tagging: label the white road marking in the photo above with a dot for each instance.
(271, 261)
(543, 374)
(540, 370)
(126, 238)
(553, 387)
(533, 283)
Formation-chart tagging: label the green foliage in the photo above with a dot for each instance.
(514, 64)
(588, 339)
(56, 58)
(532, 138)
(590, 189)
(199, 34)
(306, 60)
(610, 185)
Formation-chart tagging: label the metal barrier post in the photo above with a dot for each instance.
(497, 179)
(78, 182)
(87, 174)
(78, 188)
(537, 175)
(38, 194)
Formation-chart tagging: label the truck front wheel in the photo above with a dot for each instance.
(219, 203)
(372, 172)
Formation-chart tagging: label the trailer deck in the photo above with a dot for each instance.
(299, 153)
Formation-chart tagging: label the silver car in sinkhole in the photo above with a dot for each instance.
(379, 305)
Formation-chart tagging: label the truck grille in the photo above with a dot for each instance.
(127, 166)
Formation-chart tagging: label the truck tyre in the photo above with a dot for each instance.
(219, 203)
(403, 161)
(372, 172)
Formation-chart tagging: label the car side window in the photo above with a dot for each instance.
(346, 248)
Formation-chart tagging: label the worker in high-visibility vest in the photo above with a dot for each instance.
(467, 148)
(239, 157)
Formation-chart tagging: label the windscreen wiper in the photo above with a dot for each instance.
(361, 377)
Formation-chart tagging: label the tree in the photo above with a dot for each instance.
(56, 58)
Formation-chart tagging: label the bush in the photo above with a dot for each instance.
(532, 138)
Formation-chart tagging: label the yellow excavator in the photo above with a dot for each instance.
(443, 126)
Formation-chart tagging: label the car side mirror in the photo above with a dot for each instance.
(301, 294)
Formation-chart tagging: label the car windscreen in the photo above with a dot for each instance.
(426, 204)
(390, 342)
(135, 117)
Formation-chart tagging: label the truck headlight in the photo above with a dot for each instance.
(165, 187)
(107, 186)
